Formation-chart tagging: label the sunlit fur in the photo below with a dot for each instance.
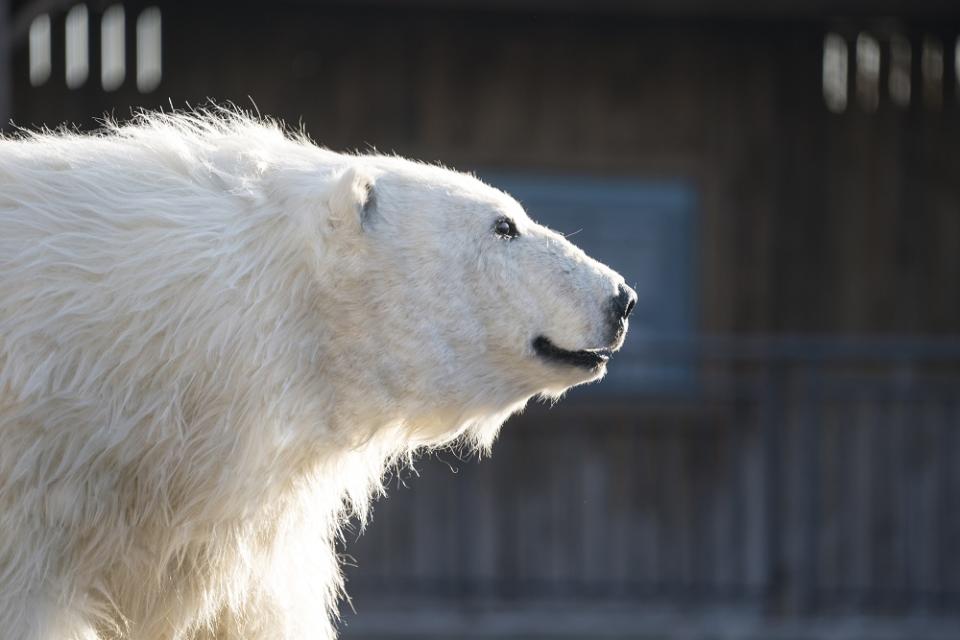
(212, 344)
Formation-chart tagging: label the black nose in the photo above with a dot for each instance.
(625, 301)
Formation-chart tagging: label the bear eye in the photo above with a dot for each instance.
(505, 228)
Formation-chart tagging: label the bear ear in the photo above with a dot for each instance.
(354, 199)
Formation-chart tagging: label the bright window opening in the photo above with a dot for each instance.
(835, 66)
(39, 50)
(868, 72)
(77, 46)
(931, 65)
(149, 64)
(113, 52)
(956, 65)
(900, 62)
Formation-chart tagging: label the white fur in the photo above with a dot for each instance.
(215, 336)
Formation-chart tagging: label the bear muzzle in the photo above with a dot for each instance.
(619, 309)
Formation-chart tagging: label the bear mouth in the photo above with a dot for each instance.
(584, 358)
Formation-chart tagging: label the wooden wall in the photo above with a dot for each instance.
(798, 490)
(811, 221)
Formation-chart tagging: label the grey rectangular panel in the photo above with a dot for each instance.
(647, 231)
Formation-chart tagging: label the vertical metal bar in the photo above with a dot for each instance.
(944, 466)
(772, 424)
(811, 415)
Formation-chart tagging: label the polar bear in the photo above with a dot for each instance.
(214, 338)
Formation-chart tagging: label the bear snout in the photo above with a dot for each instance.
(619, 309)
(624, 303)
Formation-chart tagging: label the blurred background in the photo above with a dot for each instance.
(775, 452)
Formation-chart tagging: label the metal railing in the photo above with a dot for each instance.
(798, 475)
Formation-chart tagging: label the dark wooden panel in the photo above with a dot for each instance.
(670, 501)
(811, 221)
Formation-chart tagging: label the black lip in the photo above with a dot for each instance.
(587, 359)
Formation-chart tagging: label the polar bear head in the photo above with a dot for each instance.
(454, 299)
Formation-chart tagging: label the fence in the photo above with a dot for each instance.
(797, 475)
